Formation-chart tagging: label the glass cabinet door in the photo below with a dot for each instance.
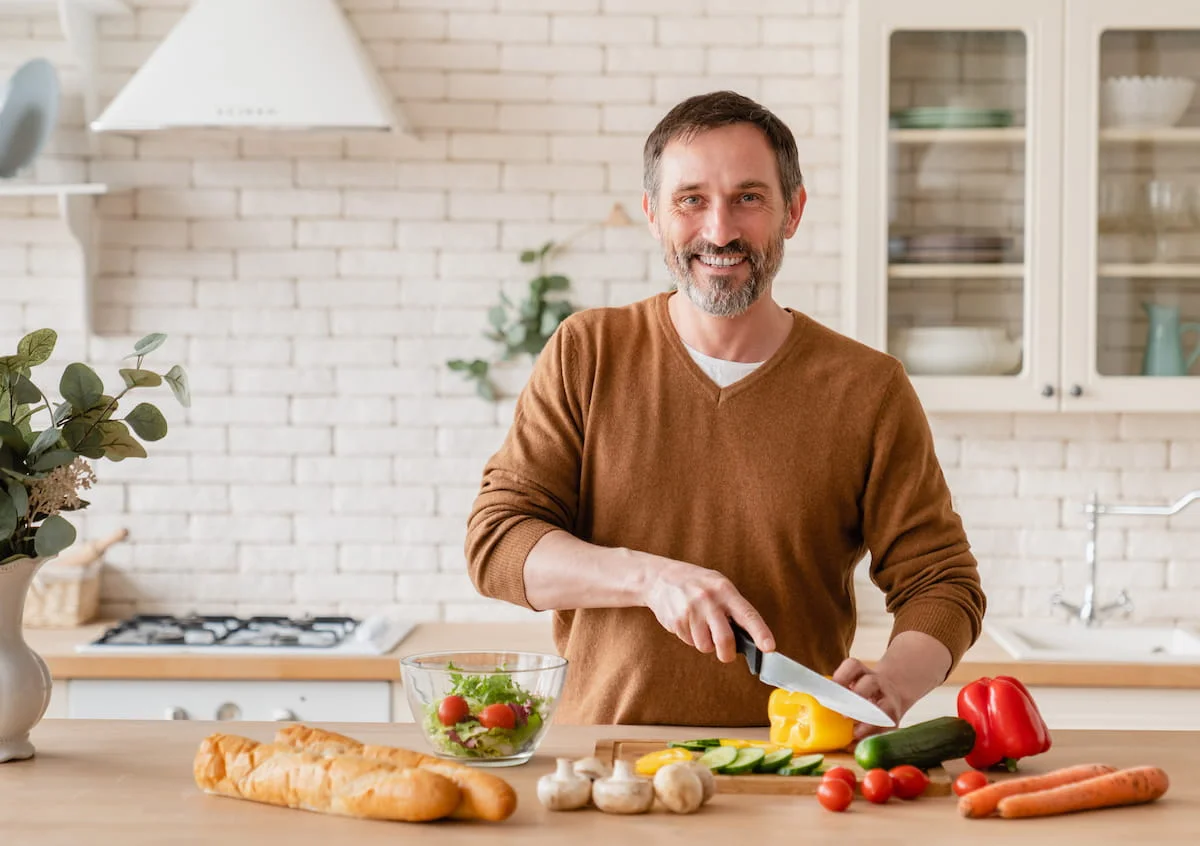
(957, 253)
(1132, 198)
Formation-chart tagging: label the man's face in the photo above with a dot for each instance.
(721, 217)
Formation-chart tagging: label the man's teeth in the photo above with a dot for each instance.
(719, 261)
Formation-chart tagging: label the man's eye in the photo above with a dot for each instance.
(689, 201)
(750, 198)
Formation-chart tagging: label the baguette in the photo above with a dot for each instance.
(345, 785)
(484, 796)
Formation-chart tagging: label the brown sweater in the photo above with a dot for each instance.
(781, 481)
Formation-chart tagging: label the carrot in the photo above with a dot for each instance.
(1125, 787)
(981, 802)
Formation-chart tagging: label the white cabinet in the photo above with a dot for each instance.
(212, 699)
(1018, 244)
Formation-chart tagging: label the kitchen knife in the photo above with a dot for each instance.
(780, 671)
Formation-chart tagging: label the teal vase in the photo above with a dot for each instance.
(1165, 354)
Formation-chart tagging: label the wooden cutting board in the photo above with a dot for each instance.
(763, 783)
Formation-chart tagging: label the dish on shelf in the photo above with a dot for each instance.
(949, 248)
(28, 113)
(956, 350)
(1146, 102)
(950, 117)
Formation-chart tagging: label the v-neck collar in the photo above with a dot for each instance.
(714, 391)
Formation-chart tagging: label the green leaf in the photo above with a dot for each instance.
(10, 364)
(456, 364)
(19, 496)
(515, 335)
(550, 322)
(25, 392)
(54, 458)
(53, 536)
(546, 247)
(496, 317)
(479, 368)
(44, 441)
(148, 422)
(537, 287)
(117, 442)
(80, 434)
(11, 437)
(484, 388)
(61, 412)
(37, 347)
(149, 343)
(177, 378)
(140, 378)
(528, 256)
(23, 477)
(557, 283)
(80, 386)
(102, 410)
(8, 516)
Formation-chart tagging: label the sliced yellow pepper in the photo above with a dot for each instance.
(802, 724)
(742, 744)
(652, 762)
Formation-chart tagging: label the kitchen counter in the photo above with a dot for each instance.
(130, 783)
(985, 658)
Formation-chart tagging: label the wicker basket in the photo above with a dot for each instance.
(63, 596)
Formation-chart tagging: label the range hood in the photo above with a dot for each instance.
(256, 64)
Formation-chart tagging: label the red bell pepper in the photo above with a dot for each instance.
(1006, 722)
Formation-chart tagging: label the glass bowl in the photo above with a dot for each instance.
(487, 709)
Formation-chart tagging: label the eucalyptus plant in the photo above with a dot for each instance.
(45, 446)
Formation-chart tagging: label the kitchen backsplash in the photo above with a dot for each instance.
(315, 285)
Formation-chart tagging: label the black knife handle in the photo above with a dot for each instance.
(746, 646)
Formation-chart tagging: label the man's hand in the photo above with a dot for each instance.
(695, 604)
(913, 665)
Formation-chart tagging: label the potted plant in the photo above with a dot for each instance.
(45, 450)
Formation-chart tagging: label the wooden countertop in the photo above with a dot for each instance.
(130, 784)
(985, 658)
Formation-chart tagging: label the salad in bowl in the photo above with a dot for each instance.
(483, 708)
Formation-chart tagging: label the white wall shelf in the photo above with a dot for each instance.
(78, 21)
(956, 271)
(997, 135)
(1151, 271)
(1167, 135)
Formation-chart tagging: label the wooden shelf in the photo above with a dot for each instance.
(989, 135)
(48, 7)
(1151, 271)
(1165, 135)
(956, 271)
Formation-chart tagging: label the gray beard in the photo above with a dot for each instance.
(722, 296)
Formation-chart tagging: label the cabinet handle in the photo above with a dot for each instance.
(1048, 391)
(1076, 390)
(283, 715)
(175, 713)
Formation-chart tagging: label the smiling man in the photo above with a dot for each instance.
(708, 454)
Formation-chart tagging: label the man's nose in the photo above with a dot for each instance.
(720, 225)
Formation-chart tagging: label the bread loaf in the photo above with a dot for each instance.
(484, 796)
(346, 785)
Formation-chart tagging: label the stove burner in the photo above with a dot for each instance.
(232, 632)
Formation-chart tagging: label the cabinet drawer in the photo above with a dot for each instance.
(214, 699)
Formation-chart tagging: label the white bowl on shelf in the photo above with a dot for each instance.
(956, 350)
(1146, 102)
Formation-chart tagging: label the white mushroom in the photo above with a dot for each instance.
(707, 782)
(563, 789)
(678, 786)
(624, 792)
(592, 768)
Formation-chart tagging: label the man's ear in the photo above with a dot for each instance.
(651, 217)
(795, 211)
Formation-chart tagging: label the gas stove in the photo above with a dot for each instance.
(192, 634)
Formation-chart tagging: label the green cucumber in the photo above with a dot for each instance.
(719, 757)
(745, 761)
(802, 765)
(690, 745)
(923, 745)
(772, 761)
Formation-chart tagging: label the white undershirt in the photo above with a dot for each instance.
(723, 372)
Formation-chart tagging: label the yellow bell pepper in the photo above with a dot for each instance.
(738, 743)
(804, 725)
(652, 762)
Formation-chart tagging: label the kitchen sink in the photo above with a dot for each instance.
(1052, 640)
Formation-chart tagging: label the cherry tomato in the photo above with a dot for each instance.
(834, 794)
(969, 781)
(841, 774)
(453, 710)
(497, 717)
(908, 782)
(877, 786)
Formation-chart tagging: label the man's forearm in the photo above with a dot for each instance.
(564, 572)
(915, 663)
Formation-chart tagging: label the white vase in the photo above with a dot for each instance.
(24, 677)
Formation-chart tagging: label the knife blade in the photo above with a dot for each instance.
(780, 671)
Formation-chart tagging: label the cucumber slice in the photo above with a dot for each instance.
(719, 757)
(747, 759)
(772, 761)
(689, 745)
(807, 763)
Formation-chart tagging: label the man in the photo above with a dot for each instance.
(707, 454)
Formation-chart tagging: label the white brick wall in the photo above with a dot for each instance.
(314, 285)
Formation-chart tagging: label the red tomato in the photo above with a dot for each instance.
(969, 781)
(497, 717)
(841, 774)
(908, 782)
(834, 794)
(453, 710)
(877, 786)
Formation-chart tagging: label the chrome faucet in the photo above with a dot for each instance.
(1087, 612)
